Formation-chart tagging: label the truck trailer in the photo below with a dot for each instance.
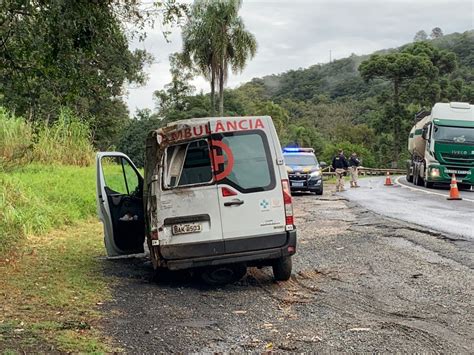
(441, 143)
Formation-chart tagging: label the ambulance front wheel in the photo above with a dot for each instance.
(282, 268)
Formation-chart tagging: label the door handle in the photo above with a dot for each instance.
(234, 203)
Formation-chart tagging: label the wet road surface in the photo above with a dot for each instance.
(360, 282)
(425, 207)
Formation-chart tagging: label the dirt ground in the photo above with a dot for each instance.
(360, 283)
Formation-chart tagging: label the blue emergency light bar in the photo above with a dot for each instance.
(297, 150)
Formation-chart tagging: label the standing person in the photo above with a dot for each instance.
(354, 164)
(340, 165)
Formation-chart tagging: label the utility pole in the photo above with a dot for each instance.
(330, 59)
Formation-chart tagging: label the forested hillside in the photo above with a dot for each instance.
(332, 105)
(341, 78)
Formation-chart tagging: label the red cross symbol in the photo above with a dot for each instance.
(219, 159)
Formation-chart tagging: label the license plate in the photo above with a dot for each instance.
(297, 184)
(186, 228)
(462, 172)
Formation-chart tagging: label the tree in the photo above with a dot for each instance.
(215, 39)
(436, 33)
(420, 36)
(419, 75)
(399, 69)
(132, 141)
(75, 54)
(426, 90)
(175, 96)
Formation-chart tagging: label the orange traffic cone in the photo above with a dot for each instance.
(388, 181)
(453, 191)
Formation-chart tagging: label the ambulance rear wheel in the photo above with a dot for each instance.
(282, 268)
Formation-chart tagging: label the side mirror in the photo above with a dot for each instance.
(425, 133)
(322, 164)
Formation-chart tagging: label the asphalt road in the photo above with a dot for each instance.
(425, 207)
(361, 283)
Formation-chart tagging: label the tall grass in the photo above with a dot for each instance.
(67, 141)
(45, 175)
(16, 139)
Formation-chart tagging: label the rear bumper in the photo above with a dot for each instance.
(255, 250)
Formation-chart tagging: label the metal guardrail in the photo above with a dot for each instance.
(367, 171)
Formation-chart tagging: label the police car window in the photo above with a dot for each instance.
(252, 169)
(188, 164)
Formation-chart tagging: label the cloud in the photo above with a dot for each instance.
(298, 34)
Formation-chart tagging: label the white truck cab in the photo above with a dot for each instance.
(215, 195)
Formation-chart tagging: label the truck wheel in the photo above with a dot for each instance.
(419, 180)
(224, 274)
(410, 169)
(282, 268)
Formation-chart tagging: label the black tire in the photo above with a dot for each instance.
(409, 177)
(418, 180)
(282, 268)
(224, 274)
(319, 192)
(427, 184)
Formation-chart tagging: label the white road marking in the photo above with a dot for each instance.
(397, 181)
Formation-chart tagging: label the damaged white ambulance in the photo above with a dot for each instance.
(215, 196)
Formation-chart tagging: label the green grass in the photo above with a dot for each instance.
(51, 279)
(38, 198)
(50, 269)
(52, 290)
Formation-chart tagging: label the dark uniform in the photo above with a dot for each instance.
(340, 165)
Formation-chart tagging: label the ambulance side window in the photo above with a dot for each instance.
(188, 164)
(252, 169)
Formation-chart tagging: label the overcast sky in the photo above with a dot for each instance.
(297, 34)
